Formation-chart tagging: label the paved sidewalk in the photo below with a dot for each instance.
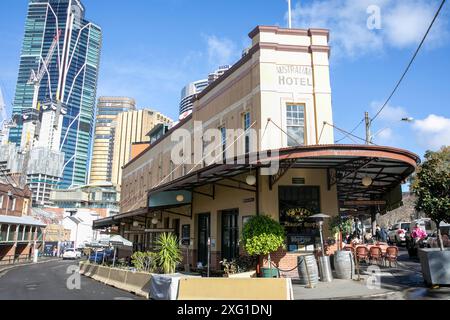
(7, 267)
(394, 283)
(338, 289)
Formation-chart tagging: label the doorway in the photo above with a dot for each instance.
(230, 234)
(204, 232)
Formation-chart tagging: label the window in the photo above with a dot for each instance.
(13, 204)
(1, 201)
(246, 120)
(295, 121)
(223, 132)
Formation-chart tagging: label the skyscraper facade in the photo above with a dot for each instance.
(66, 47)
(188, 93)
(132, 127)
(107, 110)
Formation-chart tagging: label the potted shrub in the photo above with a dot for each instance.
(169, 254)
(262, 235)
(432, 188)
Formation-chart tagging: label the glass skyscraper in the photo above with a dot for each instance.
(70, 78)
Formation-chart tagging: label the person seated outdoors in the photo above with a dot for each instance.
(418, 234)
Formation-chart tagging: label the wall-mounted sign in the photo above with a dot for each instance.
(365, 203)
(170, 198)
(294, 76)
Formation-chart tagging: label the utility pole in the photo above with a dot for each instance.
(368, 124)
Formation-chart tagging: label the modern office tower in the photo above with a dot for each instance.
(58, 79)
(107, 110)
(132, 127)
(188, 93)
(193, 88)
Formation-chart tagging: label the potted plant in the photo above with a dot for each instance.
(262, 235)
(431, 185)
(169, 255)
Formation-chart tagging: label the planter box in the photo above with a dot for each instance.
(435, 266)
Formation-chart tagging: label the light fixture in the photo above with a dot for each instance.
(367, 181)
(180, 198)
(135, 224)
(251, 180)
(155, 219)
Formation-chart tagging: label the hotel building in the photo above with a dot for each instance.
(290, 169)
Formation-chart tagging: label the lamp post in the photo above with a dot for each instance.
(368, 121)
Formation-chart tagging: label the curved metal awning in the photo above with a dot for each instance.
(346, 165)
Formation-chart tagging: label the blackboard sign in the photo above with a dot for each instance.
(186, 235)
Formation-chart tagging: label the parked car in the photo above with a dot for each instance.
(397, 233)
(97, 257)
(72, 254)
(433, 238)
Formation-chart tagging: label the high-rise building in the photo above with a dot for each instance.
(107, 110)
(132, 127)
(218, 73)
(58, 69)
(188, 93)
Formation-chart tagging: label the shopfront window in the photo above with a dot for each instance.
(296, 204)
(295, 121)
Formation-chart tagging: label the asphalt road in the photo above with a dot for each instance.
(48, 281)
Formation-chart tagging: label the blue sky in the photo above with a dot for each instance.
(152, 48)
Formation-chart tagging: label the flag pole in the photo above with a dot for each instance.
(289, 14)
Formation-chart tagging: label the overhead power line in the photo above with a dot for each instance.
(351, 132)
(410, 62)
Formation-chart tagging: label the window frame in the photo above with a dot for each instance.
(292, 104)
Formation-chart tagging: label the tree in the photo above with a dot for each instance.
(432, 187)
(262, 235)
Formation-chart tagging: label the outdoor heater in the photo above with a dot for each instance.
(324, 261)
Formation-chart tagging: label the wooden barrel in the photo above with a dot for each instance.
(344, 264)
(308, 271)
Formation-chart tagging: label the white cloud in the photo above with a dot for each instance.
(433, 132)
(390, 113)
(221, 51)
(403, 24)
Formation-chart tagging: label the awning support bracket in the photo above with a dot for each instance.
(281, 172)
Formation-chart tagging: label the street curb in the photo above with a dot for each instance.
(5, 270)
(378, 295)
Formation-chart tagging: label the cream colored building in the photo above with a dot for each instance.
(281, 88)
(107, 110)
(129, 128)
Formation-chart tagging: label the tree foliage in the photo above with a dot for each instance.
(432, 185)
(262, 235)
(339, 224)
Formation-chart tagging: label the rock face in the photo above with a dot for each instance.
(405, 213)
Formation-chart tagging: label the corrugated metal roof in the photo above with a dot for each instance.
(24, 220)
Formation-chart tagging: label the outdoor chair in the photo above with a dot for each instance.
(376, 254)
(391, 255)
(362, 253)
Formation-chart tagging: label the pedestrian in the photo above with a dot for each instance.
(383, 234)
(378, 233)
